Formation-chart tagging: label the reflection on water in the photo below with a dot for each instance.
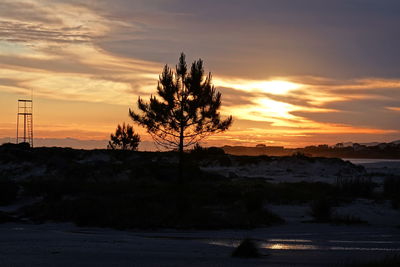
(365, 249)
(302, 244)
(224, 243)
(290, 240)
(283, 246)
(364, 242)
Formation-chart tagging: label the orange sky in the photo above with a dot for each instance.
(88, 62)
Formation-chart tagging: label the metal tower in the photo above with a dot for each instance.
(25, 110)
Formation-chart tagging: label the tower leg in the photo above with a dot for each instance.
(24, 128)
(17, 127)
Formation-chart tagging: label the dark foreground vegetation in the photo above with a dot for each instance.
(388, 261)
(246, 249)
(128, 189)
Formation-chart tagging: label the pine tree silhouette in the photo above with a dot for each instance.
(186, 111)
(124, 138)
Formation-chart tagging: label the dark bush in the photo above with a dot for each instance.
(301, 192)
(347, 220)
(199, 150)
(246, 249)
(355, 187)
(210, 154)
(391, 190)
(248, 160)
(8, 191)
(5, 217)
(253, 201)
(391, 186)
(215, 151)
(154, 204)
(321, 210)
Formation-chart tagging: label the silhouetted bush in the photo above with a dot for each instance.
(215, 151)
(253, 201)
(355, 187)
(391, 186)
(13, 152)
(300, 192)
(246, 249)
(210, 155)
(8, 191)
(143, 203)
(198, 149)
(22, 145)
(321, 210)
(391, 190)
(5, 217)
(248, 160)
(300, 155)
(346, 219)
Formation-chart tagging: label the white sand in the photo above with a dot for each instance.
(289, 170)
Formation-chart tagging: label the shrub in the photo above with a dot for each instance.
(347, 220)
(321, 210)
(301, 192)
(248, 160)
(197, 149)
(391, 190)
(391, 186)
(355, 187)
(246, 249)
(8, 191)
(253, 201)
(143, 203)
(5, 217)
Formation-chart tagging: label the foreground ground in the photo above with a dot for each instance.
(286, 245)
(320, 211)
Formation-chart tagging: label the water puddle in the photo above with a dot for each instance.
(302, 244)
(280, 246)
(299, 244)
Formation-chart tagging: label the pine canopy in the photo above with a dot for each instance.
(124, 138)
(186, 108)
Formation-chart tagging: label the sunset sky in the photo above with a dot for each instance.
(291, 72)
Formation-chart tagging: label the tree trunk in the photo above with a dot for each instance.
(180, 177)
(181, 134)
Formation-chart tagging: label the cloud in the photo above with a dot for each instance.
(341, 39)
(393, 108)
(26, 32)
(27, 11)
(324, 107)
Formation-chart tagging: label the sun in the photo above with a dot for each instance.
(276, 87)
(263, 107)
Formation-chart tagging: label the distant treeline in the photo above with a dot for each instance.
(380, 151)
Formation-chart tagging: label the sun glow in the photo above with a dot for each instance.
(275, 109)
(276, 87)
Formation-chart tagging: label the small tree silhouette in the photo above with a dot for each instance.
(187, 110)
(124, 138)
